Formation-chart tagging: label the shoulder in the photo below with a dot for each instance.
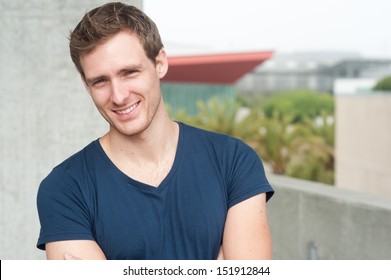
(206, 137)
(230, 152)
(69, 174)
(225, 147)
(78, 159)
(238, 163)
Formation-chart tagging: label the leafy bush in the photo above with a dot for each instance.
(299, 104)
(384, 84)
(225, 116)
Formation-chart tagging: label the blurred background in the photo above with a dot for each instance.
(306, 83)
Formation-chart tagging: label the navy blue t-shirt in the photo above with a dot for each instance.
(88, 198)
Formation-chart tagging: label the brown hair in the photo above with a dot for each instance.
(102, 23)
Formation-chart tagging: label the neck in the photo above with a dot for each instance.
(152, 145)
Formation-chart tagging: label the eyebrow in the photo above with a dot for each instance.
(128, 67)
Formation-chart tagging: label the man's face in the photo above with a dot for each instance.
(124, 84)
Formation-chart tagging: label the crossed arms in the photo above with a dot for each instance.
(246, 236)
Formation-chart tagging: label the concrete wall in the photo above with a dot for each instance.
(44, 111)
(315, 221)
(363, 143)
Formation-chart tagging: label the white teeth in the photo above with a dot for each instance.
(128, 110)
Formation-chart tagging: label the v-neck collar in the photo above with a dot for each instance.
(165, 182)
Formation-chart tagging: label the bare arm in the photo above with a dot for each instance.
(83, 249)
(246, 232)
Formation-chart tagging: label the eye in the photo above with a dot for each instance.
(98, 82)
(129, 73)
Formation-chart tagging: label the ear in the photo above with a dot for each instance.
(161, 64)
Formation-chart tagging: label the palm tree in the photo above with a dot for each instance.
(224, 116)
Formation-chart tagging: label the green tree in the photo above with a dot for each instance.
(225, 116)
(276, 135)
(303, 147)
(384, 84)
(313, 152)
(299, 104)
(302, 150)
(311, 160)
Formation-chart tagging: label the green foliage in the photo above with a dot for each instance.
(384, 84)
(299, 104)
(312, 155)
(311, 160)
(276, 134)
(224, 116)
(302, 150)
(250, 102)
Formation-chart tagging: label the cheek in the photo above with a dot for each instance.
(147, 88)
(99, 98)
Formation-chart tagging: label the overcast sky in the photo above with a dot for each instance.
(196, 26)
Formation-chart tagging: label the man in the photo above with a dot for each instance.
(151, 188)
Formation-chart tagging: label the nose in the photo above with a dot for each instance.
(118, 93)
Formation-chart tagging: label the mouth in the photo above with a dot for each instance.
(127, 110)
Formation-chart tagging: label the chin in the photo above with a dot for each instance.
(132, 129)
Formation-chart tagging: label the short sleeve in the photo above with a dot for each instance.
(62, 209)
(246, 174)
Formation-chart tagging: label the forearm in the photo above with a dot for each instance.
(247, 234)
(81, 249)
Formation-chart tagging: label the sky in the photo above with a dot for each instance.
(213, 26)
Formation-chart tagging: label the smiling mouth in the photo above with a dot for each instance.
(127, 110)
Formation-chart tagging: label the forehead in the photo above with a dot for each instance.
(123, 48)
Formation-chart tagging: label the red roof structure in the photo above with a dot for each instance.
(213, 69)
